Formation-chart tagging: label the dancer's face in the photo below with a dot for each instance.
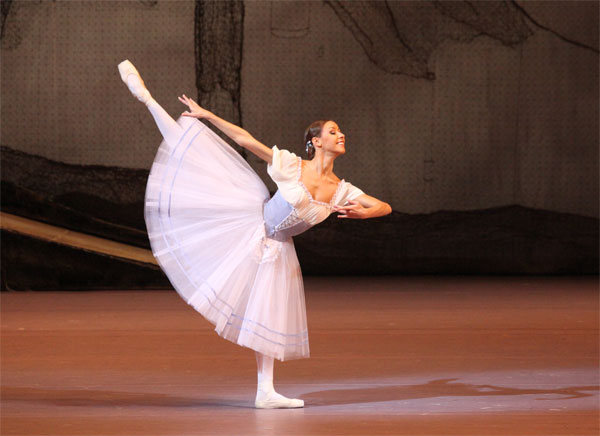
(332, 140)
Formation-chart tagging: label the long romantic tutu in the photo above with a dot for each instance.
(204, 216)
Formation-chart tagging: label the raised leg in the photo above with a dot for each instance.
(169, 128)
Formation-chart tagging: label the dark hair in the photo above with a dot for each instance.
(311, 131)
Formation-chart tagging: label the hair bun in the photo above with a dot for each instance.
(311, 131)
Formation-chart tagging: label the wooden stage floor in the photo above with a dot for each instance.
(389, 356)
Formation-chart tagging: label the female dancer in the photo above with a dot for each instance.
(224, 244)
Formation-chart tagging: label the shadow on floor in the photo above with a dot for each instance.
(92, 398)
(435, 388)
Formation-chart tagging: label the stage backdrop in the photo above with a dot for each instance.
(476, 121)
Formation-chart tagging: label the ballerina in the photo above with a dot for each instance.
(225, 244)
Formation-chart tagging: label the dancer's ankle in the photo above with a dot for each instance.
(138, 89)
(265, 384)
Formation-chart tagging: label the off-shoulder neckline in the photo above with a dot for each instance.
(308, 194)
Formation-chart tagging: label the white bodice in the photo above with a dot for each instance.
(286, 171)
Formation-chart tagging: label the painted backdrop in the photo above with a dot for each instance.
(476, 121)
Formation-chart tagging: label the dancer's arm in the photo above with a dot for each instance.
(236, 133)
(364, 206)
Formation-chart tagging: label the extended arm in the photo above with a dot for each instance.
(364, 206)
(236, 133)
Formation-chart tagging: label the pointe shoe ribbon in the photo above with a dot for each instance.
(137, 87)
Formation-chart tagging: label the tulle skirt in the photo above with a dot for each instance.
(204, 216)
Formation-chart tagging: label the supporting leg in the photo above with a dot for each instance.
(265, 365)
(266, 397)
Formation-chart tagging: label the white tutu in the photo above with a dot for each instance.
(204, 216)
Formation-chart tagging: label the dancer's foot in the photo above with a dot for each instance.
(134, 82)
(274, 400)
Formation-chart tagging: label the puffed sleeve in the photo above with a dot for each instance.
(284, 165)
(352, 192)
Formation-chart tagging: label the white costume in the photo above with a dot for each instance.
(226, 246)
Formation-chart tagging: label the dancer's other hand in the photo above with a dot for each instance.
(195, 110)
(352, 209)
(362, 207)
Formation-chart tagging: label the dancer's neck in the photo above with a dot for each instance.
(322, 165)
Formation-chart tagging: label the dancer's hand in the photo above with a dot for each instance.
(352, 209)
(195, 110)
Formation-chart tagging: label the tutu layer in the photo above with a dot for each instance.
(204, 216)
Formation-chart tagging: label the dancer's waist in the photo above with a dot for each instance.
(281, 219)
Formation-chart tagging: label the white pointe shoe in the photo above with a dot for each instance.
(137, 87)
(273, 400)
